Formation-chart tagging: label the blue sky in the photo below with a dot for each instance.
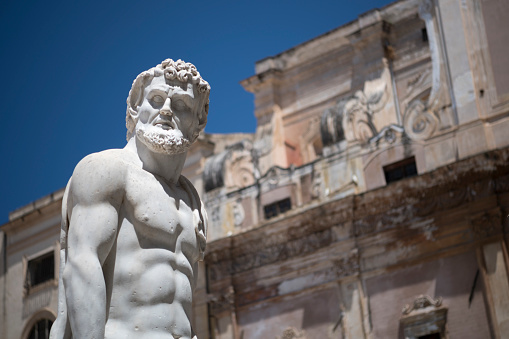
(67, 67)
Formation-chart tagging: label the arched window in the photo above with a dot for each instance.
(41, 329)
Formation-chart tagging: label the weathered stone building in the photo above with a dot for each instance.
(372, 201)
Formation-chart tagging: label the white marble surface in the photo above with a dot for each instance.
(133, 228)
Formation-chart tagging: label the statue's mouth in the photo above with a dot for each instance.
(164, 124)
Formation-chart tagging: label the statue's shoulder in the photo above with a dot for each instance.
(114, 160)
(101, 174)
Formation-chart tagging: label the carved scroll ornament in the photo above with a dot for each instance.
(421, 302)
(232, 168)
(419, 122)
(352, 119)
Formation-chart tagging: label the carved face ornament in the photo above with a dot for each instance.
(167, 116)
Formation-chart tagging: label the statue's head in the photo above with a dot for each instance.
(167, 107)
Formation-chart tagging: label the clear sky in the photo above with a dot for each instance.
(67, 67)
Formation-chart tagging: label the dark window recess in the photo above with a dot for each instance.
(40, 270)
(399, 170)
(41, 329)
(431, 336)
(386, 27)
(277, 208)
(424, 33)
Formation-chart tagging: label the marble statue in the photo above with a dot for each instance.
(134, 228)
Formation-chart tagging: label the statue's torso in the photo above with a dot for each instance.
(150, 270)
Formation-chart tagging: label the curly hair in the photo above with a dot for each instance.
(180, 70)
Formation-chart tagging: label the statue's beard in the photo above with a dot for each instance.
(163, 141)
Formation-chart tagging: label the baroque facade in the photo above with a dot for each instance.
(371, 202)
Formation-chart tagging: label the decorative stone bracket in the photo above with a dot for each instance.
(421, 302)
(423, 317)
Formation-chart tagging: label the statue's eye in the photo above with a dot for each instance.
(180, 105)
(157, 99)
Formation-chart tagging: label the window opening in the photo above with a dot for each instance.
(276, 208)
(431, 336)
(41, 329)
(40, 270)
(424, 33)
(400, 170)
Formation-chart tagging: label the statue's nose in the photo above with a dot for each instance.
(166, 109)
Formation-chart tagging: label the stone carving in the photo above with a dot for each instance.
(133, 228)
(419, 122)
(417, 86)
(317, 185)
(418, 81)
(213, 172)
(358, 117)
(273, 176)
(331, 125)
(364, 117)
(233, 168)
(215, 215)
(239, 166)
(421, 302)
(426, 113)
(238, 213)
(424, 317)
(389, 134)
(309, 141)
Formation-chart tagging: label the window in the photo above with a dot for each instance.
(424, 34)
(400, 170)
(40, 270)
(41, 329)
(431, 336)
(276, 208)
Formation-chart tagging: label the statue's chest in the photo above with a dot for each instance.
(162, 214)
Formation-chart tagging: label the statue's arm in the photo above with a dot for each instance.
(95, 198)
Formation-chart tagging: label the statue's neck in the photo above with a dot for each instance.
(167, 166)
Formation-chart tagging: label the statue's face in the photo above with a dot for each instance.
(167, 117)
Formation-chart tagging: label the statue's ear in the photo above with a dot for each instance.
(202, 121)
(133, 112)
(136, 92)
(198, 130)
(132, 103)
